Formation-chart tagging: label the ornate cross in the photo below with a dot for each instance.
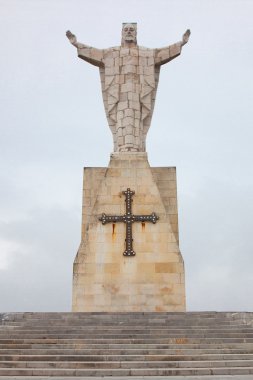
(129, 219)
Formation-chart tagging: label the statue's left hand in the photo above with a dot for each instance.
(71, 37)
(186, 37)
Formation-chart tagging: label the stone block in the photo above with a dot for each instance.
(130, 60)
(102, 299)
(120, 79)
(146, 267)
(129, 139)
(129, 112)
(122, 105)
(135, 105)
(151, 61)
(112, 70)
(174, 49)
(124, 52)
(119, 300)
(126, 69)
(128, 121)
(128, 87)
(112, 268)
(166, 268)
(122, 97)
(121, 140)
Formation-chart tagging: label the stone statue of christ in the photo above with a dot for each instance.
(129, 77)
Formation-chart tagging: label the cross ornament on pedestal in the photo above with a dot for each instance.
(129, 219)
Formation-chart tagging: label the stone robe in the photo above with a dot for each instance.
(129, 79)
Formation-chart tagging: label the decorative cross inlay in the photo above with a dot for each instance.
(129, 219)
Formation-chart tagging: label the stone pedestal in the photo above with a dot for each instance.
(153, 279)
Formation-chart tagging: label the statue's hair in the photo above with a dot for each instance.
(131, 23)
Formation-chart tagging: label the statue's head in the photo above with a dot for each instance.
(129, 33)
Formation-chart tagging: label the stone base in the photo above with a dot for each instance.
(153, 279)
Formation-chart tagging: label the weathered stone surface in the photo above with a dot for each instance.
(129, 77)
(105, 280)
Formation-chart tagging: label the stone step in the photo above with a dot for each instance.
(134, 317)
(176, 344)
(72, 345)
(146, 347)
(63, 314)
(169, 320)
(128, 354)
(129, 324)
(192, 377)
(148, 340)
(52, 350)
(117, 332)
(127, 372)
(104, 314)
(125, 322)
(126, 364)
(123, 357)
(145, 333)
(125, 327)
(125, 335)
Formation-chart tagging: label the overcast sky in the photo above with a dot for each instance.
(53, 123)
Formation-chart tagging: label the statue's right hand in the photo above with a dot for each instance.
(71, 37)
(186, 37)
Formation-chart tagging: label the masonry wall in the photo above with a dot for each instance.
(153, 279)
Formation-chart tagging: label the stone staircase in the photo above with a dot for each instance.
(136, 345)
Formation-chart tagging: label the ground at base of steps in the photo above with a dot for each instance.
(207, 377)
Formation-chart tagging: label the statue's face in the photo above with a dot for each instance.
(129, 32)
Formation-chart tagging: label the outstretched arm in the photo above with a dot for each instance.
(85, 52)
(168, 53)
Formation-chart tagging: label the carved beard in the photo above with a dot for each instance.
(130, 38)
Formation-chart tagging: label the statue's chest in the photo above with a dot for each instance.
(130, 62)
(136, 61)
